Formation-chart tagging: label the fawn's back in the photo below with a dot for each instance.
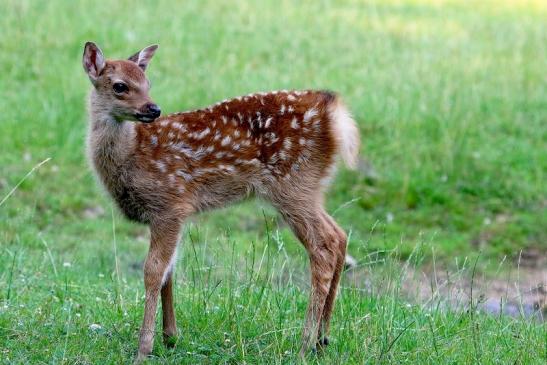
(260, 143)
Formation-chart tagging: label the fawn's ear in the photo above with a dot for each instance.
(143, 57)
(93, 61)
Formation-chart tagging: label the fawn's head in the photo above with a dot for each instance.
(121, 86)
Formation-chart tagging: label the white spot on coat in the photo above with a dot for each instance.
(203, 133)
(225, 141)
(309, 114)
(186, 176)
(226, 167)
(160, 166)
(287, 143)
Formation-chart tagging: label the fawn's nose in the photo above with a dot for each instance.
(153, 110)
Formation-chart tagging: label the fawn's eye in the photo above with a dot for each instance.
(120, 87)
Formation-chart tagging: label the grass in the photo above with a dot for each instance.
(451, 100)
(249, 310)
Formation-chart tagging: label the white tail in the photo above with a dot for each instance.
(347, 133)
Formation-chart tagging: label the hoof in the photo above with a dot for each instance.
(321, 344)
(140, 358)
(170, 341)
(312, 352)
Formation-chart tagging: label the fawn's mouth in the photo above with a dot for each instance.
(146, 118)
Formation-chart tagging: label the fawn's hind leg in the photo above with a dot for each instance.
(341, 244)
(320, 240)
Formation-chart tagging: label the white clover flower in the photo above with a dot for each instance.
(95, 327)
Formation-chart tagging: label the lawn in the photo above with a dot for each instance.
(451, 101)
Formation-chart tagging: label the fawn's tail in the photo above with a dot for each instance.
(346, 132)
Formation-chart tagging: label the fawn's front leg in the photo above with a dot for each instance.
(163, 243)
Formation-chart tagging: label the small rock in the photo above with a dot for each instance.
(93, 212)
(368, 171)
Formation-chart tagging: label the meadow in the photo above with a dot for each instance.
(451, 101)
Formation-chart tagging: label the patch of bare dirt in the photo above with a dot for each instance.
(519, 292)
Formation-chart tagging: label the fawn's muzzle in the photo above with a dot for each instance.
(149, 113)
(154, 110)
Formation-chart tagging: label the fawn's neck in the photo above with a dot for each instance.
(110, 142)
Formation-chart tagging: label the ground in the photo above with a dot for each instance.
(451, 101)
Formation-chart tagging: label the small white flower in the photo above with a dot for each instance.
(389, 217)
(101, 275)
(95, 327)
(78, 315)
(67, 264)
(487, 221)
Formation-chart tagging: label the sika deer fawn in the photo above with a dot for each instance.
(281, 146)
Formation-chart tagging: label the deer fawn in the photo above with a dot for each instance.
(281, 146)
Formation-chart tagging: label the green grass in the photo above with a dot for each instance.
(451, 101)
(242, 306)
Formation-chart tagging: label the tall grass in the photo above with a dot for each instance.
(248, 307)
